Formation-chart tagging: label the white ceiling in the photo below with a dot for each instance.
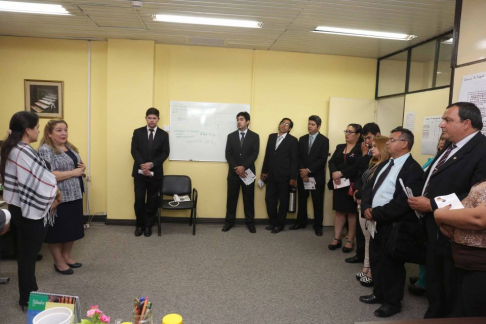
(287, 24)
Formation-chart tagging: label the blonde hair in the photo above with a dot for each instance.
(48, 141)
(380, 142)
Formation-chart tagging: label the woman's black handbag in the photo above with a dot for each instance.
(407, 242)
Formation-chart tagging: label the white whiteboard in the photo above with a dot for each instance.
(198, 130)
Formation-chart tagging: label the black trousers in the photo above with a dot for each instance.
(388, 274)
(442, 282)
(30, 236)
(146, 200)
(277, 200)
(360, 240)
(234, 185)
(317, 203)
(472, 296)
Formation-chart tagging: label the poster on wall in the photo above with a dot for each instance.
(473, 89)
(430, 135)
(45, 98)
(409, 121)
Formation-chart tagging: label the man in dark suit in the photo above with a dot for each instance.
(242, 147)
(459, 166)
(313, 153)
(279, 170)
(384, 201)
(150, 148)
(370, 130)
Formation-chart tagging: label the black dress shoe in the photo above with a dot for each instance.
(227, 227)
(386, 311)
(416, 290)
(138, 231)
(296, 227)
(75, 265)
(318, 231)
(277, 229)
(64, 272)
(269, 227)
(252, 229)
(354, 259)
(147, 232)
(370, 299)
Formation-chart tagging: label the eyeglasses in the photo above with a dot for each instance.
(285, 124)
(348, 132)
(391, 140)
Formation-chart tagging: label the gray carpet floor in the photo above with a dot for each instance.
(213, 277)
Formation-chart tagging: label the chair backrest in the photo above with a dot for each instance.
(176, 185)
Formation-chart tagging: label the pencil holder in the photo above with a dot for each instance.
(145, 319)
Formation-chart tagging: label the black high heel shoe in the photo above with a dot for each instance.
(346, 249)
(335, 246)
(23, 305)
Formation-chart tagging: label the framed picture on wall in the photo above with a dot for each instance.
(44, 98)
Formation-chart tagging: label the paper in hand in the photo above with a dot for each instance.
(451, 200)
(250, 177)
(310, 185)
(409, 194)
(344, 183)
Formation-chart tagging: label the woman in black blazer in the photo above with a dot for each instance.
(343, 165)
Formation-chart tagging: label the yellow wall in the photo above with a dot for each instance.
(276, 85)
(130, 76)
(65, 60)
(130, 89)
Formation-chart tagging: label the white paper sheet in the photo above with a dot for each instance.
(430, 135)
(409, 121)
(447, 200)
(310, 185)
(344, 183)
(250, 177)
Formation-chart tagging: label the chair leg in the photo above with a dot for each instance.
(159, 222)
(190, 218)
(194, 226)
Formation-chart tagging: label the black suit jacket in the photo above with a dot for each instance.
(350, 168)
(461, 171)
(398, 208)
(281, 164)
(157, 155)
(316, 159)
(245, 156)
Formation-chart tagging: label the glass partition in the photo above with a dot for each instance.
(393, 73)
(422, 66)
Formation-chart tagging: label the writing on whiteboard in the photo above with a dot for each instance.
(199, 129)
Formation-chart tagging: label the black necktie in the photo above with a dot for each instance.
(441, 162)
(151, 137)
(242, 139)
(382, 178)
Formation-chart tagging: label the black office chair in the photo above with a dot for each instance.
(178, 185)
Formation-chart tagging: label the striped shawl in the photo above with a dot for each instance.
(28, 183)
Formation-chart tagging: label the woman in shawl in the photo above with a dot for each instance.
(31, 191)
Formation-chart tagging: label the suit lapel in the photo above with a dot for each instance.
(459, 155)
